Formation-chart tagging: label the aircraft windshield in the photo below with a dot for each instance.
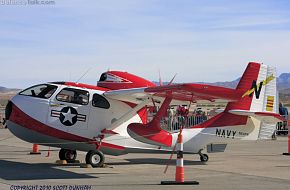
(40, 91)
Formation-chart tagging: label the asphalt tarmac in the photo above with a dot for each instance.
(244, 165)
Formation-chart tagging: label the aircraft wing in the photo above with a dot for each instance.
(187, 92)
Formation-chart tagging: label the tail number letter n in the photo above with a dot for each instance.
(257, 89)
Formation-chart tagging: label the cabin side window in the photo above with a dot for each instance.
(74, 96)
(100, 102)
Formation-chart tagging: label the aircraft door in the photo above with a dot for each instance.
(101, 114)
(69, 110)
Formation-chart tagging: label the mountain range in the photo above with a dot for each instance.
(283, 83)
(8, 90)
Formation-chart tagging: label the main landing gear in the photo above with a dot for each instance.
(68, 155)
(95, 158)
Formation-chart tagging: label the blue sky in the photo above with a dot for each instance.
(209, 40)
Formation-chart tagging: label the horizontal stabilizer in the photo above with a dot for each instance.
(266, 117)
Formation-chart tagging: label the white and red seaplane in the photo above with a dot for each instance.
(111, 118)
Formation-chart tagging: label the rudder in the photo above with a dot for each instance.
(259, 88)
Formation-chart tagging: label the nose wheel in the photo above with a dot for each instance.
(68, 155)
(95, 158)
(203, 157)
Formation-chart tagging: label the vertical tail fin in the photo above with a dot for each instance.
(258, 84)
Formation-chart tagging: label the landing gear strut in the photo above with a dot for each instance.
(68, 155)
(95, 158)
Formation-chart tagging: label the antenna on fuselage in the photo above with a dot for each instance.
(83, 75)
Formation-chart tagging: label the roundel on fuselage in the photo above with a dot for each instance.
(68, 116)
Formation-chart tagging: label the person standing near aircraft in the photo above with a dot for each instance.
(283, 111)
(282, 126)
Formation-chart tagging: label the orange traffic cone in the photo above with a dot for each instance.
(179, 172)
(35, 149)
(288, 153)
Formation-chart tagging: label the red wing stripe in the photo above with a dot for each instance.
(111, 146)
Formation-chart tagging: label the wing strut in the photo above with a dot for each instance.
(129, 114)
(157, 118)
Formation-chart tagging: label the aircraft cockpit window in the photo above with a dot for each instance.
(39, 91)
(103, 77)
(100, 102)
(74, 96)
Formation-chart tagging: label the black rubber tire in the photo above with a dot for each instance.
(8, 110)
(61, 154)
(204, 158)
(95, 158)
(68, 155)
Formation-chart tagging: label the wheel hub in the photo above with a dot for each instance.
(96, 159)
(69, 155)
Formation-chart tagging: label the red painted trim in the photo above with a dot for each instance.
(251, 73)
(152, 131)
(106, 131)
(143, 114)
(112, 146)
(24, 120)
(108, 145)
(132, 105)
(87, 86)
(194, 92)
(224, 120)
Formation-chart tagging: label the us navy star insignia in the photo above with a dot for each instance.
(68, 116)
